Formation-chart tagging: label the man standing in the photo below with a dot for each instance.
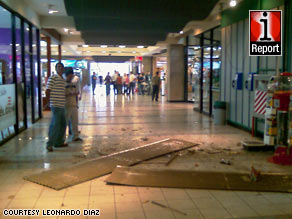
(93, 82)
(72, 93)
(132, 83)
(55, 95)
(155, 85)
(108, 81)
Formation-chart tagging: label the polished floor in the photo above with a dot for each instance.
(115, 123)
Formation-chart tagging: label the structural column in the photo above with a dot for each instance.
(60, 52)
(49, 54)
(175, 74)
(147, 64)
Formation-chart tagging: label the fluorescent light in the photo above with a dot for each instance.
(27, 29)
(103, 51)
(64, 51)
(33, 45)
(134, 52)
(85, 46)
(181, 32)
(122, 46)
(119, 51)
(88, 51)
(54, 45)
(66, 30)
(17, 44)
(103, 46)
(232, 3)
(53, 11)
(43, 43)
(140, 47)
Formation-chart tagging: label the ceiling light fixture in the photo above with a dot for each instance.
(122, 46)
(54, 45)
(64, 51)
(134, 52)
(181, 32)
(103, 51)
(140, 47)
(232, 3)
(85, 46)
(66, 30)
(119, 51)
(88, 51)
(103, 46)
(51, 10)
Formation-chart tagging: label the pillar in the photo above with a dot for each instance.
(175, 74)
(147, 64)
(60, 52)
(49, 54)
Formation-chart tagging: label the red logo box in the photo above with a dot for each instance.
(265, 33)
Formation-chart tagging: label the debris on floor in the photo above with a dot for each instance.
(170, 178)
(74, 174)
(167, 207)
(172, 158)
(223, 161)
(254, 174)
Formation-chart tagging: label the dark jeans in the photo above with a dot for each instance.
(119, 88)
(93, 88)
(155, 92)
(132, 88)
(57, 127)
(108, 89)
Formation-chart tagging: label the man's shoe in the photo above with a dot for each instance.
(62, 145)
(78, 139)
(50, 148)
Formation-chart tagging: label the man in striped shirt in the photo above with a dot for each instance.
(55, 93)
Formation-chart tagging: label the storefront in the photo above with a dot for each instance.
(20, 81)
(203, 70)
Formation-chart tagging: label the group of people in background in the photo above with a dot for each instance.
(128, 84)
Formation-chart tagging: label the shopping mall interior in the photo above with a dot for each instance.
(216, 143)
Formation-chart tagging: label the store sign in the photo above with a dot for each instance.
(7, 106)
(265, 33)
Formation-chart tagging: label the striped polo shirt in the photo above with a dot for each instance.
(57, 85)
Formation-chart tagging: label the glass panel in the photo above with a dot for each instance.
(27, 73)
(7, 87)
(216, 66)
(19, 75)
(194, 66)
(206, 79)
(36, 86)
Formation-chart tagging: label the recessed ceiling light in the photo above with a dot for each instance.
(134, 52)
(85, 46)
(52, 11)
(88, 51)
(119, 51)
(181, 32)
(122, 46)
(103, 51)
(232, 3)
(140, 47)
(103, 46)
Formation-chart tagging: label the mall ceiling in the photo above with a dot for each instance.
(134, 22)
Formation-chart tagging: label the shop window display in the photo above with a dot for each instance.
(7, 87)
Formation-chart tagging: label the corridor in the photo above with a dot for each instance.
(115, 123)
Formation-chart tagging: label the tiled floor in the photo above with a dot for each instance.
(116, 123)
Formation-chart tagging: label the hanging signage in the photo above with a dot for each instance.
(265, 32)
(7, 106)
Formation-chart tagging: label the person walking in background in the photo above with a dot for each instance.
(132, 83)
(108, 81)
(100, 79)
(127, 84)
(93, 82)
(72, 93)
(155, 86)
(119, 83)
(55, 94)
(114, 78)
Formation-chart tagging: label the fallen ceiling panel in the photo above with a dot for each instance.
(68, 176)
(136, 176)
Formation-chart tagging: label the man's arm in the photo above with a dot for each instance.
(48, 95)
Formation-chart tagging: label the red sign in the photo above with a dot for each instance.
(265, 33)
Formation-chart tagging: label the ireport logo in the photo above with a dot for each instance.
(265, 33)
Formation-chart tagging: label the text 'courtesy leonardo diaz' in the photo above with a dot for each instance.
(50, 212)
